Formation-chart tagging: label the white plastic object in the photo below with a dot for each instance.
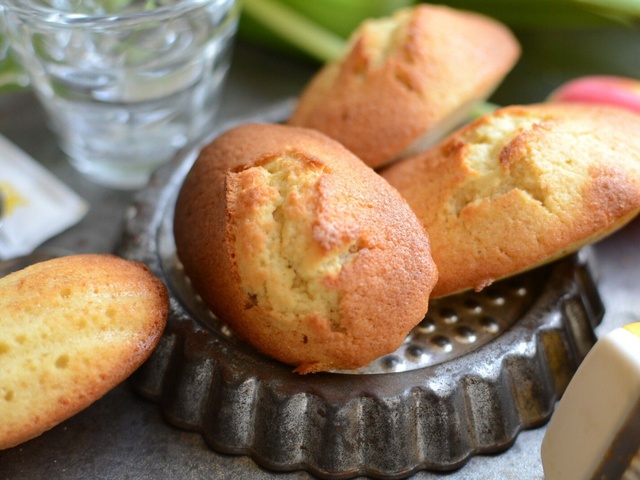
(595, 431)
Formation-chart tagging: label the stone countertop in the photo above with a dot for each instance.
(123, 435)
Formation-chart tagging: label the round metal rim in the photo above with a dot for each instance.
(380, 425)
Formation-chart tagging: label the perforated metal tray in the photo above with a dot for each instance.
(479, 368)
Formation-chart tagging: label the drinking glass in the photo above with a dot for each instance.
(124, 83)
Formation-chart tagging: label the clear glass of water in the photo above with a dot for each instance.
(124, 83)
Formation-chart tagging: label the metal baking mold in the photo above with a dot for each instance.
(481, 367)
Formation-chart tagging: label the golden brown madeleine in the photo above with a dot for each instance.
(301, 248)
(521, 187)
(71, 329)
(407, 80)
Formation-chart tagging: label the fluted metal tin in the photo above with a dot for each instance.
(481, 367)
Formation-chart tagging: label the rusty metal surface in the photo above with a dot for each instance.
(403, 413)
(124, 435)
(386, 421)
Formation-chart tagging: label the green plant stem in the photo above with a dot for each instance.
(549, 13)
(300, 31)
(483, 108)
(629, 8)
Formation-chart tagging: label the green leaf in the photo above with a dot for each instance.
(544, 13)
(315, 27)
(111, 6)
(11, 76)
(295, 28)
(344, 16)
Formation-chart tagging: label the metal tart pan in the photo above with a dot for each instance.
(477, 370)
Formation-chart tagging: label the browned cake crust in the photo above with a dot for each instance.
(71, 329)
(522, 187)
(407, 80)
(301, 248)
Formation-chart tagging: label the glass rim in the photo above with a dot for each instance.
(54, 16)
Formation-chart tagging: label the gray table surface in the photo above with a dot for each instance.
(123, 435)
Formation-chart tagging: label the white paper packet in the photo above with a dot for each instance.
(37, 205)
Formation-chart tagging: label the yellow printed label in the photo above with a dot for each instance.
(12, 198)
(633, 328)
